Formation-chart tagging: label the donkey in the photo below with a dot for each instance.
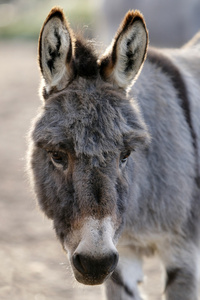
(116, 167)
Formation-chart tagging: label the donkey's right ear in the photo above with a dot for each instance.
(123, 61)
(56, 50)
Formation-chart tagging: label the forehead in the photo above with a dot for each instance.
(93, 118)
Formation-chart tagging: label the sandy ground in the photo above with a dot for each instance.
(32, 263)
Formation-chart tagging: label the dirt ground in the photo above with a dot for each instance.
(32, 263)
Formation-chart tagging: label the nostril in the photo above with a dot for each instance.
(77, 263)
(113, 261)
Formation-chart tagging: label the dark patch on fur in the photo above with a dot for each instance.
(172, 274)
(44, 93)
(54, 53)
(97, 186)
(85, 59)
(130, 61)
(129, 41)
(168, 67)
(69, 54)
(97, 193)
(117, 279)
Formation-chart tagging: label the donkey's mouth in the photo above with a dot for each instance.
(91, 279)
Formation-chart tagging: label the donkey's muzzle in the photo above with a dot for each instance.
(94, 270)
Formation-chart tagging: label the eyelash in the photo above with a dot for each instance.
(56, 157)
(124, 156)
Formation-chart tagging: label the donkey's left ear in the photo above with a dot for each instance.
(56, 50)
(122, 63)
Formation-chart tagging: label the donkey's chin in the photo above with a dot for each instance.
(91, 279)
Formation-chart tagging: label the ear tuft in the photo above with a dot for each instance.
(131, 17)
(56, 50)
(85, 58)
(56, 11)
(122, 62)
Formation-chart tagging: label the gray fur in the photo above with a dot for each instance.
(152, 200)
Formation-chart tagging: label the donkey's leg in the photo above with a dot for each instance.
(181, 272)
(123, 284)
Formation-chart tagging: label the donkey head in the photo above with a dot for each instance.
(84, 138)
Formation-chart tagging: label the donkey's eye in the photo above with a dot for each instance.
(56, 157)
(124, 156)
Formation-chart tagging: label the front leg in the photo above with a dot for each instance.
(123, 284)
(181, 284)
(181, 273)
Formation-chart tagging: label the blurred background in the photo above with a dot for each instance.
(32, 264)
(170, 23)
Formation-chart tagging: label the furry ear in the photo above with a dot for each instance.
(56, 50)
(122, 62)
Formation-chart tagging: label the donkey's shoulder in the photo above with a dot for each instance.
(164, 61)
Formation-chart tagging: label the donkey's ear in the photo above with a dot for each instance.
(56, 50)
(123, 60)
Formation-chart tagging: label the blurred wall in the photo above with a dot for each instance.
(170, 22)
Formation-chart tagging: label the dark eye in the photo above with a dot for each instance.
(124, 156)
(56, 156)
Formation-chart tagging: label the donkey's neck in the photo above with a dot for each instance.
(162, 176)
